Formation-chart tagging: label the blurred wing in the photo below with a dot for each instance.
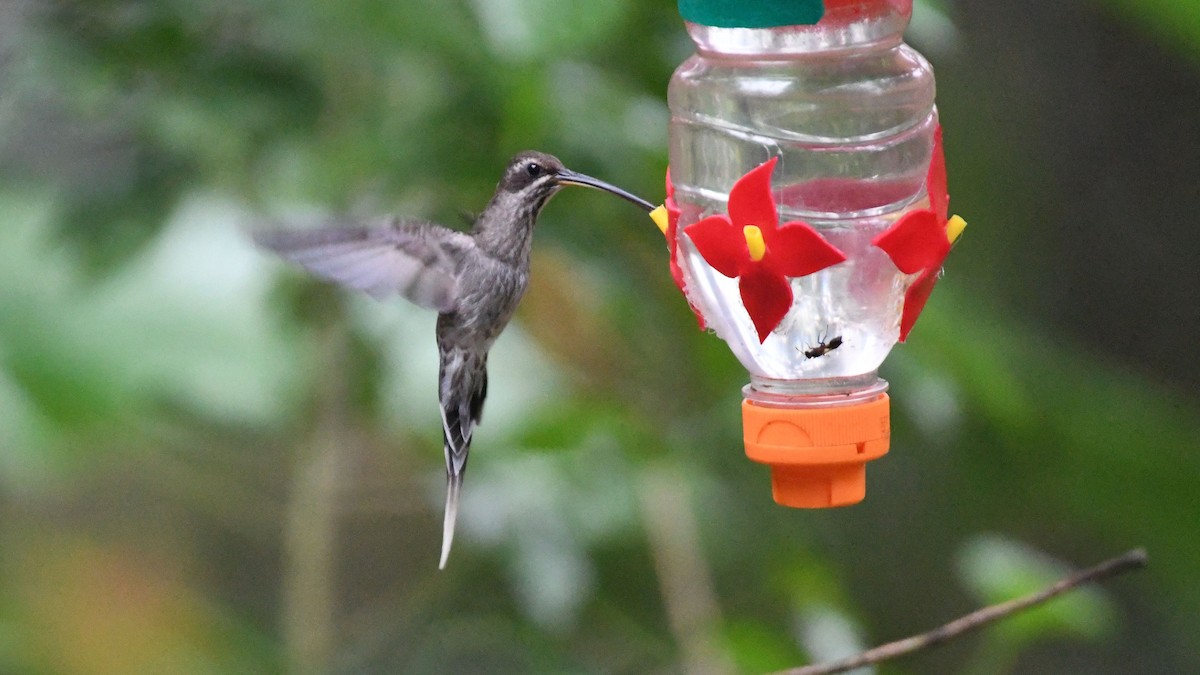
(415, 259)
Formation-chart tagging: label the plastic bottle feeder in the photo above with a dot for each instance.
(806, 218)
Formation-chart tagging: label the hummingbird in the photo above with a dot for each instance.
(474, 280)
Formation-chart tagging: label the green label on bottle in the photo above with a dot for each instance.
(752, 13)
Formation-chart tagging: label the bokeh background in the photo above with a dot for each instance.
(212, 464)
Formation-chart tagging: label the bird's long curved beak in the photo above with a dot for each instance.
(568, 177)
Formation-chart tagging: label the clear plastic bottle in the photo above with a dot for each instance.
(848, 110)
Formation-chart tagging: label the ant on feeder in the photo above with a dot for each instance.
(823, 347)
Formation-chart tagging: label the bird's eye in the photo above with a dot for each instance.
(533, 169)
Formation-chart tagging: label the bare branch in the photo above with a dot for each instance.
(1135, 559)
(310, 533)
(684, 579)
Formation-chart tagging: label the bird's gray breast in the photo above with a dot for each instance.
(489, 292)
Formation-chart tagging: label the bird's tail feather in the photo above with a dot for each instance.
(462, 388)
(453, 487)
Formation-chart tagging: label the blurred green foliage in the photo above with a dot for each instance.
(210, 464)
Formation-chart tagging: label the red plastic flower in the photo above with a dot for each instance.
(752, 246)
(921, 240)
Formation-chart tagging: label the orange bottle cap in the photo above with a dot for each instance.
(818, 456)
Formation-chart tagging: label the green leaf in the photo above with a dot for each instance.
(759, 647)
(1177, 22)
(997, 569)
(528, 30)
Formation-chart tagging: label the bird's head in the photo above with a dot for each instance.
(535, 176)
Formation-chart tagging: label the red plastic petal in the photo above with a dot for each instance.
(767, 297)
(672, 243)
(673, 210)
(672, 235)
(915, 242)
(935, 180)
(676, 270)
(750, 201)
(915, 299)
(795, 249)
(722, 245)
(672, 232)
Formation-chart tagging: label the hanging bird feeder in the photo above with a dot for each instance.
(807, 219)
